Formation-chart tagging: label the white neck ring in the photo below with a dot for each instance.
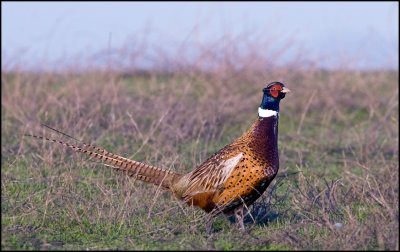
(266, 112)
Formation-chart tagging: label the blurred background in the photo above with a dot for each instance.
(169, 84)
(49, 36)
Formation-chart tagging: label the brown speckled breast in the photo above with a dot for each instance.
(257, 168)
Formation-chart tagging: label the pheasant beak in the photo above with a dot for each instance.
(285, 90)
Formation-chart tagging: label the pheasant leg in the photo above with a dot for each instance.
(240, 217)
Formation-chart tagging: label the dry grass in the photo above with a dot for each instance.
(338, 139)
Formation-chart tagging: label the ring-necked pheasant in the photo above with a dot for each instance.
(237, 174)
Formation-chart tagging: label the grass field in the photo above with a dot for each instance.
(337, 187)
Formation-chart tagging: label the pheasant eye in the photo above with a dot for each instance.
(274, 92)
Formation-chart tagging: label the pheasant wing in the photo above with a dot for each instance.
(211, 175)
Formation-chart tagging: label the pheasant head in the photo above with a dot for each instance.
(273, 94)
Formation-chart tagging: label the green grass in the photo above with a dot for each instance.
(338, 161)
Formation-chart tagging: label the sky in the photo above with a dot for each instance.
(38, 34)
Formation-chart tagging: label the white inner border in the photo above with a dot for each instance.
(266, 112)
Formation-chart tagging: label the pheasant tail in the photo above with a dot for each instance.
(147, 173)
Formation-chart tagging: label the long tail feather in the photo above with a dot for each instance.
(90, 146)
(141, 171)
